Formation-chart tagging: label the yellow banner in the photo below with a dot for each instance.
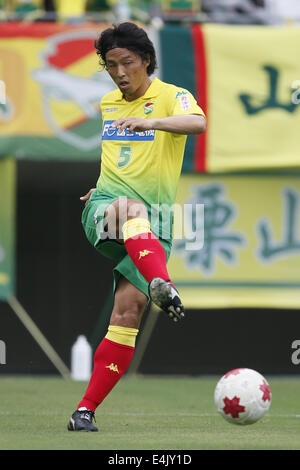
(53, 90)
(253, 81)
(243, 248)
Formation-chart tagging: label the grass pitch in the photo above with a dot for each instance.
(142, 413)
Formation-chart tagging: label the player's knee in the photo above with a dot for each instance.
(128, 314)
(121, 210)
(136, 209)
(130, 317)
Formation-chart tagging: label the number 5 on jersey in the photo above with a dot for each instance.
(124, 156)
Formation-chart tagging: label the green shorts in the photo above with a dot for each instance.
(92, 221)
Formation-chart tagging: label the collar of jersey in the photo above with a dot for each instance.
(151, 92)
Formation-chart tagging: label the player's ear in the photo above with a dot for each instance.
(147, 60)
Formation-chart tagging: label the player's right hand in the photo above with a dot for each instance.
(87, 196)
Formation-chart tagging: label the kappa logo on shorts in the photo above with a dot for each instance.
(110, 133)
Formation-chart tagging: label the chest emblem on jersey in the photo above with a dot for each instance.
(148, 108)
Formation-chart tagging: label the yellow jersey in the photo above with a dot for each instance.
(144, 165)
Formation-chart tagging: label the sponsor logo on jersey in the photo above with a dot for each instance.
(110, 133)
(110, 110)
(185, 102)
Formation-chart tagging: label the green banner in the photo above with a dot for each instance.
(7, 227)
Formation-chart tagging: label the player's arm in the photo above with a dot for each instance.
(182, 124)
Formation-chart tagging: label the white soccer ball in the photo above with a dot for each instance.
(242, 396)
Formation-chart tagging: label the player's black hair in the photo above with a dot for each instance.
(128, 36)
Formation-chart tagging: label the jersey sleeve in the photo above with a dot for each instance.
(183, 102)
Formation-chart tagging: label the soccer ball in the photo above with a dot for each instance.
(242, 396)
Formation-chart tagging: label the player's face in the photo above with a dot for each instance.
(128, 71)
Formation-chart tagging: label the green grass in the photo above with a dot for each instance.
(142, 413)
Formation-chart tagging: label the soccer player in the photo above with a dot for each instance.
(128, 216)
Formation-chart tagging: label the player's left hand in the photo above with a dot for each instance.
(133, 124)
(87, 196)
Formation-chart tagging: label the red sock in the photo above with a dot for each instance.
(110, 362)
(148, 256)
